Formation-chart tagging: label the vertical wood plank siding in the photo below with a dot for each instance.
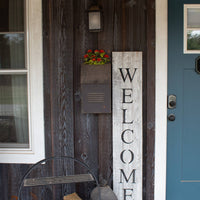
(129, 25)
(85, 125)
(58, 83)
(105, 41)
(150, 114)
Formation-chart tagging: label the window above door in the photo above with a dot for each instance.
(21, 82)
(191, 28)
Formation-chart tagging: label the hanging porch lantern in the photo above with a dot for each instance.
(95, 19)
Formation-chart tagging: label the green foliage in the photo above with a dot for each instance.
(193, 41)
(96, 57)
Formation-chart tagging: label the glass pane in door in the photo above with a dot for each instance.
(193, 40)
(193, 16)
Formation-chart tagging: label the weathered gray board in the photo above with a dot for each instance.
(127, 125)
(77, 178)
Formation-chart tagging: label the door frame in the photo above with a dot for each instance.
(161, 99)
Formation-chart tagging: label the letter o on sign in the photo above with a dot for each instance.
(129, 156)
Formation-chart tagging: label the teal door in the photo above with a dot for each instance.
(183, 137)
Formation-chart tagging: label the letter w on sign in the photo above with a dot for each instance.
(127, 73)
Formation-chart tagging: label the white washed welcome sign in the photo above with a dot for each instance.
(127, 125)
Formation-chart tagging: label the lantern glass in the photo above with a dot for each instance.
(94, 21)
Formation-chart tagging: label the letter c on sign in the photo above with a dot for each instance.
(123, 136)
(131, 156)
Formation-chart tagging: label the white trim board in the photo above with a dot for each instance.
(161, 100)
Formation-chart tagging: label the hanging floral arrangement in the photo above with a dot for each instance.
(96, 57)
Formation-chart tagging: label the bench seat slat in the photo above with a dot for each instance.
(78, 178)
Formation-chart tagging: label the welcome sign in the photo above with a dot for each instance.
(127, 125)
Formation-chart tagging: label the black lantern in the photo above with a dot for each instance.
(95, 19)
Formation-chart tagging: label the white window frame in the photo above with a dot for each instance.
(186, 6)
(34, 70)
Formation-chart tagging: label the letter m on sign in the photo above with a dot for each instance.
(124, 177)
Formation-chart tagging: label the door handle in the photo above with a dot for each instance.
(172, 104)
(172, 101)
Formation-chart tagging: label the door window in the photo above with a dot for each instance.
(192, 28)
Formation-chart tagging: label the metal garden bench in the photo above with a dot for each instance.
(52, 180)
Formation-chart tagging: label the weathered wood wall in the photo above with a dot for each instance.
(129, 25)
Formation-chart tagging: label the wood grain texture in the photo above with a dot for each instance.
(4, 182)
(47, 66)
(117, 26)
(58, 83)
(58, 180)
(62, 76)
(106, 42)
(54, 70)
(128, 26)
(105, 150)
(150, 100)
(96, 74)
(85, 125)
(127, 125)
